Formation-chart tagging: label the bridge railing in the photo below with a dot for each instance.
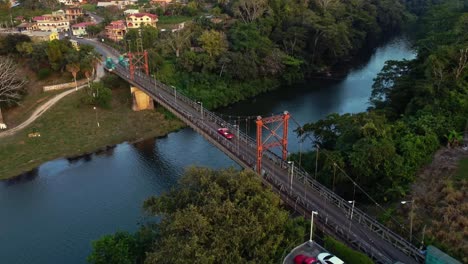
(358, 215)
(151, 86)
(300, 175)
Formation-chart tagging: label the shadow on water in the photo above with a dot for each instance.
(86, 158)
(22, 178)
(154, 161)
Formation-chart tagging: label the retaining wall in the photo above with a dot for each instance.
(64, 85)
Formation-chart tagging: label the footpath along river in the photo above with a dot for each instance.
(52, 214)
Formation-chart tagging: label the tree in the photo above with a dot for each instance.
(55, 54)
(94, 58)
(213, 42)
(93, 30)
(178, 40)
(73, 68)
(250, 10)
(99, 95)
(114, 249)
(220, 216)
(11, 87)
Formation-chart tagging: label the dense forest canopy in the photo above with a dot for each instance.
(416, 106)
(247, 47)
(210, 217)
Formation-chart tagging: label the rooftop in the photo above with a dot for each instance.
(84, 24)
(144, 14)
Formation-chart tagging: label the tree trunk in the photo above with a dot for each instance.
(2, 124)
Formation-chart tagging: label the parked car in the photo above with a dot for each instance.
(327, 258)
(303, 259)
(225, 132)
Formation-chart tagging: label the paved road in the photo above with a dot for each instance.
(47, 105)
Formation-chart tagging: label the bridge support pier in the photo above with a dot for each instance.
(141, 101)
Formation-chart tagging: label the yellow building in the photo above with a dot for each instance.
(141, 19)
(53, 35)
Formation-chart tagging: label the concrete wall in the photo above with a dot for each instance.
(141, 101)
(64, 85)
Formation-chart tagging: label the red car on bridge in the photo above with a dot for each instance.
(225, 133)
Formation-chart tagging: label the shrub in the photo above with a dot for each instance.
(43, 73)
(345, 253)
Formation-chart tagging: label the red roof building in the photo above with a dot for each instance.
(116, 30)
(141, 19)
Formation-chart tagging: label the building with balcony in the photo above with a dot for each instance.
(141, 19)
(119, 3)
(73, 13)
(56, 21)
(80, 28)
(116, 30)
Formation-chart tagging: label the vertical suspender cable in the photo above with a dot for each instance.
(316, 160)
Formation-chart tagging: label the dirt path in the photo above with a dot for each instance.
(43, 108)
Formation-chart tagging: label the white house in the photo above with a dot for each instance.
(80, 28)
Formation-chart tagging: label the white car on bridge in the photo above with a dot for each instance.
(327, 258)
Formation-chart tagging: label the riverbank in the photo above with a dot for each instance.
(70, 128)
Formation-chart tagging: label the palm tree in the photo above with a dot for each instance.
(94, 58)
(73, 68)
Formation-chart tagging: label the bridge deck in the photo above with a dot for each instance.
(301, 193)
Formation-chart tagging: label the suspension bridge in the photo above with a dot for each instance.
(295, 186)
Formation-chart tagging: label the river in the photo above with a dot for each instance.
(52, 214)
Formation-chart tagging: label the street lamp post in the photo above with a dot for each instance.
(97, 122)
(201, 108)
(292, 175)
(411, 218)
(351, 214)
(352, 208)
(312, 224)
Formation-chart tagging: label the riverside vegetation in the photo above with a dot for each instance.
(416, 105)
(243, 55)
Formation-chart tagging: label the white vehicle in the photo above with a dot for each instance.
(327, 258)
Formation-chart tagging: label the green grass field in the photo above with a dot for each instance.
(173, 19)
(70, 128)
(462, 170)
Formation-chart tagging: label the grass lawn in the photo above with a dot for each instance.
(162, 20)
(89, 7)
(462, 170)
(69, 128)
(27, 107)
